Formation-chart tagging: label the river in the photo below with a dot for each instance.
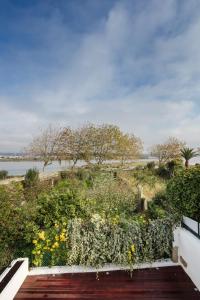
(20, 167)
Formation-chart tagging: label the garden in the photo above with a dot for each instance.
(96, 215)
(89, 217)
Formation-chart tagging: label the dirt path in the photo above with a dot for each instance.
(43, 176)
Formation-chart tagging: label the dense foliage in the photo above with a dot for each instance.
(31, 177)
(89, 217)
(99, 241)
(183, 192)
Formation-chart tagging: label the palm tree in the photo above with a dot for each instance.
(187, 154)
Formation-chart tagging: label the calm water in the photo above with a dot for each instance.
(20, 167)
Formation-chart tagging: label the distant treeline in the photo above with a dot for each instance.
(89, 143)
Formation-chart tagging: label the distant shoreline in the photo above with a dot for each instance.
(19, 159)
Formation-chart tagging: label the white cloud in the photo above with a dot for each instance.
(138, 69)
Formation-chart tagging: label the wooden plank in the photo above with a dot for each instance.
(163, 283)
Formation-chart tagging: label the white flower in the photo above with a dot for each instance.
(97, 219)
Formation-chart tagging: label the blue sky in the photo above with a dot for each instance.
(131, 63)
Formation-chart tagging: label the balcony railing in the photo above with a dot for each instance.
(192, 226)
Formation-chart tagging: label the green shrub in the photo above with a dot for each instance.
(15, 215)
(155, 211)
(86, 175)
(160, 199)
(139, 168)
(63, 174)
(145, 177)
(6, 256)
(109, 197)
(183, 192)
(100, 210)
(61, 204)
(158, 207)
(151, 165)
(3, 174)
(170, 169)
(31, 177)
(163, 172)
(174, 167)
(98, 242)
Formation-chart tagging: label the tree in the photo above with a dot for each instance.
(103, 141)
(129, 147)
(187, 154)
(170, 150)
(74, 144)
(44, 146)
(88, 142)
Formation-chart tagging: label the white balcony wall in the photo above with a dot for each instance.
(189, 251)
(16, 281)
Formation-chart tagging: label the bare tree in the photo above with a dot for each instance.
(44, 146)
(169, 150)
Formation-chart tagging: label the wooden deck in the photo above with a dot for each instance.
(163, 283)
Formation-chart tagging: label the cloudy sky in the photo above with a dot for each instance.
(131, 63)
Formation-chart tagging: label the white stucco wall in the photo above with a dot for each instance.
(13, 286)
(106, 268)
(189, 249)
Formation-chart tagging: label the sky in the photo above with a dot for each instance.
(135, 64)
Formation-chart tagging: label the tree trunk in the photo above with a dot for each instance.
(186, 163)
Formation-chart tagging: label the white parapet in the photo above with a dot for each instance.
(105, 268)
(188, 253)
(12, 287)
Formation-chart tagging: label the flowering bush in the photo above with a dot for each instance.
(50, 247)
(99, 241)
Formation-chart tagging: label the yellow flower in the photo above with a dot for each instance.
(41, 235)
(133, 248)
(64, 230)
(38, 252)
(36, 263)
(62, 237)
(34, 241)
(129, 255)
(55, 245)
(56, 225)
(57, 238)
(64, 223)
